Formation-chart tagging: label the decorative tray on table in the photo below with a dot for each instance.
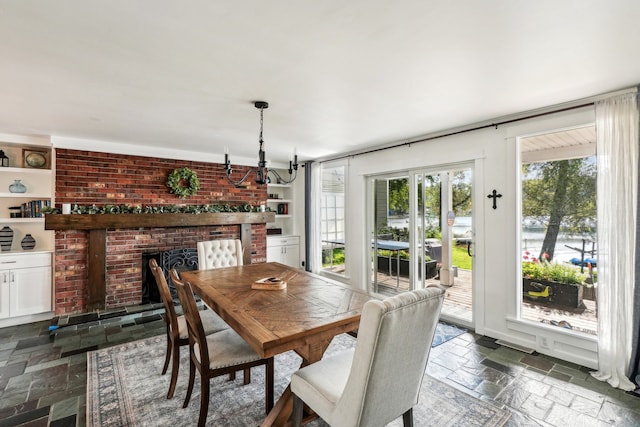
(269, 284)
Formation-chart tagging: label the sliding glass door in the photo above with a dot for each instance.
(390, 239)
(423, 233)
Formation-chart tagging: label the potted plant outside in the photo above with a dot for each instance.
(555, 283)
(388, 262)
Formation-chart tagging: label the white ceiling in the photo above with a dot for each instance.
(564, 144)
(339, 75)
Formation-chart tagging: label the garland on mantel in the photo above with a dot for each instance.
(128, 209)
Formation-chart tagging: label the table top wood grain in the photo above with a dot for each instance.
(311, 310)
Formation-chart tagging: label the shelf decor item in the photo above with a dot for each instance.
(283, 209)
(6, 238)
(34, 159)
(15, 212)
(17, 187)
(28, 243)
(4, 160)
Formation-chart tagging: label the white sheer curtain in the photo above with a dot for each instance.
(617, 122)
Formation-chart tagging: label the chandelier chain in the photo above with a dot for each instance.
(261, 123)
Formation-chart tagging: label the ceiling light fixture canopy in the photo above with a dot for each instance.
(262, 171)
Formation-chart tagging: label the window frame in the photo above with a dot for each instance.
(321, 219)
(549, 155)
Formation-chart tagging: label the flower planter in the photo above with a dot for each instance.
(589, 293)
(383, 267)
(564, 294)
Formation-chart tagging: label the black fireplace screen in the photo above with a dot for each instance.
(184, 259)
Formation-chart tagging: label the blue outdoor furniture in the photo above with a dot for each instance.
(584, 263)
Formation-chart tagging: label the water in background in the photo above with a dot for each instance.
(532, 237)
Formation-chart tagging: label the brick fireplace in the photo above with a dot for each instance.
(86, 178)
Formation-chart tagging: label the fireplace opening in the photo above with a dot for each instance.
(150, 292)
(184, 259)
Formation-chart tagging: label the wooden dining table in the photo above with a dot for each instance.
(303, 317)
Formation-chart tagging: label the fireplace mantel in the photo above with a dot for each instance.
(97, 225)
(143, 220)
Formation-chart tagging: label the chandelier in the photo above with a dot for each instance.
(261, 171)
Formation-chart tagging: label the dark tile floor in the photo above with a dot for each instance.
(43, 374)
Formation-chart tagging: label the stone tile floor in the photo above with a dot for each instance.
(43, 374)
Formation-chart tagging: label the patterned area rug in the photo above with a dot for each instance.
(445, 332)
(125, 388)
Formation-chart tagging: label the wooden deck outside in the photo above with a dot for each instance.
(458, 302)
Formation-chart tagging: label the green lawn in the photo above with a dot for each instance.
(338, 257)
(459, 253)
(460, 257)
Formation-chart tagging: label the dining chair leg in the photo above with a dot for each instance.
(407, 418)
(168, 355)
(175, 366)
(192, 378)
(296, 416)
(269, 383)
(204, 401)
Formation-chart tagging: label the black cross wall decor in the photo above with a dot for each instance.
(494, 195)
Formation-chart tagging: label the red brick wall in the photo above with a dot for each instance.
(70, 276)
(86, 177)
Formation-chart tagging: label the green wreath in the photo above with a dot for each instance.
(178, 180)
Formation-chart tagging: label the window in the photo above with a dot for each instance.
(332, 218)
(558, 229)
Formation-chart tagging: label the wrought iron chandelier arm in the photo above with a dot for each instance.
(239, 182)
(281, 180)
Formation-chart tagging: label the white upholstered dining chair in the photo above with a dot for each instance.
(380, 379)
(219, 253)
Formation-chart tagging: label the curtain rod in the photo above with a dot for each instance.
(462, 131)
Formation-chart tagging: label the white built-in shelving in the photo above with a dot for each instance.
(39, 183)
(282, 205)
(26, 275)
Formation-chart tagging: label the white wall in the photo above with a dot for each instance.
(495, 158)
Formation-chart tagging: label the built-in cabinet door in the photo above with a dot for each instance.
(274, 253)
(284, 249)
(30, 291)
(291, 255)
(4, 294)
(288, 255)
